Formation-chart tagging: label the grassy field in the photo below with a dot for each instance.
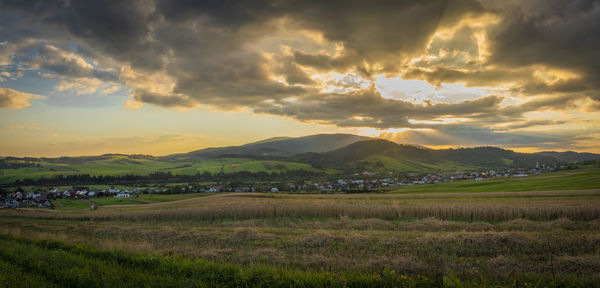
(74, 204)
(385, 163)
(122, 164)
(473, 236)
(588, 178)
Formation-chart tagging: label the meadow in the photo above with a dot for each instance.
(586, 178)
(74, 204)
(126, 165)
(429, 238)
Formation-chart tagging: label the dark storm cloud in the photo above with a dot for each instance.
(532, 36)
(325, 62)
(555, 32)
(162, 100)
(203, 50)
(368, 108)
(542, 103)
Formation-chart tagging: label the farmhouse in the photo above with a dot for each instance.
(122, 195)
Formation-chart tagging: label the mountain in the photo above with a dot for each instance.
(363, 150)
(279, 146)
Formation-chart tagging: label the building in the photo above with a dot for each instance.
(122, 195)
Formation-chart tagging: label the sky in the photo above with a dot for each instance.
(161, 76)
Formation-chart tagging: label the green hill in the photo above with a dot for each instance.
(279, 146)
(324, 152)
(134, 165)
(378, 154)
(494, 157)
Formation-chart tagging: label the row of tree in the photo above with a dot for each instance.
(164, 177)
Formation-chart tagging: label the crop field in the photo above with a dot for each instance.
(428, 238)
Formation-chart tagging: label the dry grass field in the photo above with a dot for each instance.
(541, 238)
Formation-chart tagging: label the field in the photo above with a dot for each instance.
(385, 163)
(586, 178)
(72, 204)
(123, 164)
(451, 237)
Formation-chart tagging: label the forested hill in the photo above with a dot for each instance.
(382, 152)
(279, 146)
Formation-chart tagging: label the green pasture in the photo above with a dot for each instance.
(74, 204)
(588, 178)
(400, 165)
(121, 165)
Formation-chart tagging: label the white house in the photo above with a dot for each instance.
(122, 195)
(274, 189)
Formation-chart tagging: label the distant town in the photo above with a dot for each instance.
(356, 183)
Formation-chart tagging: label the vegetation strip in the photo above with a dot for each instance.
(83, 266)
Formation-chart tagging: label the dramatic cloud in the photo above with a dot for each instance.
(320, 61)
(367, 108)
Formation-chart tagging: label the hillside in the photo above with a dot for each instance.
(279, 146)
(494, 157)
(570, 156)
(34, 168)
(381, 154)
(343, 153)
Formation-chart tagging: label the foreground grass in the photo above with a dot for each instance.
(49, 263)
(84, 266)
(466, 239)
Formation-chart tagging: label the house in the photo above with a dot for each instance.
(122, 195)
(274, 189)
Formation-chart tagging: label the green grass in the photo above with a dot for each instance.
(12, 275)
(121, 165)
(49, 263)
(390, 163)
(105, 201)
(70, 204)
(74, 204)
(171, 197)
(563, 180)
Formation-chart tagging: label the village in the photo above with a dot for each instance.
(357, 183)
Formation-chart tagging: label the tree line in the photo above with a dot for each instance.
(164, 177)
